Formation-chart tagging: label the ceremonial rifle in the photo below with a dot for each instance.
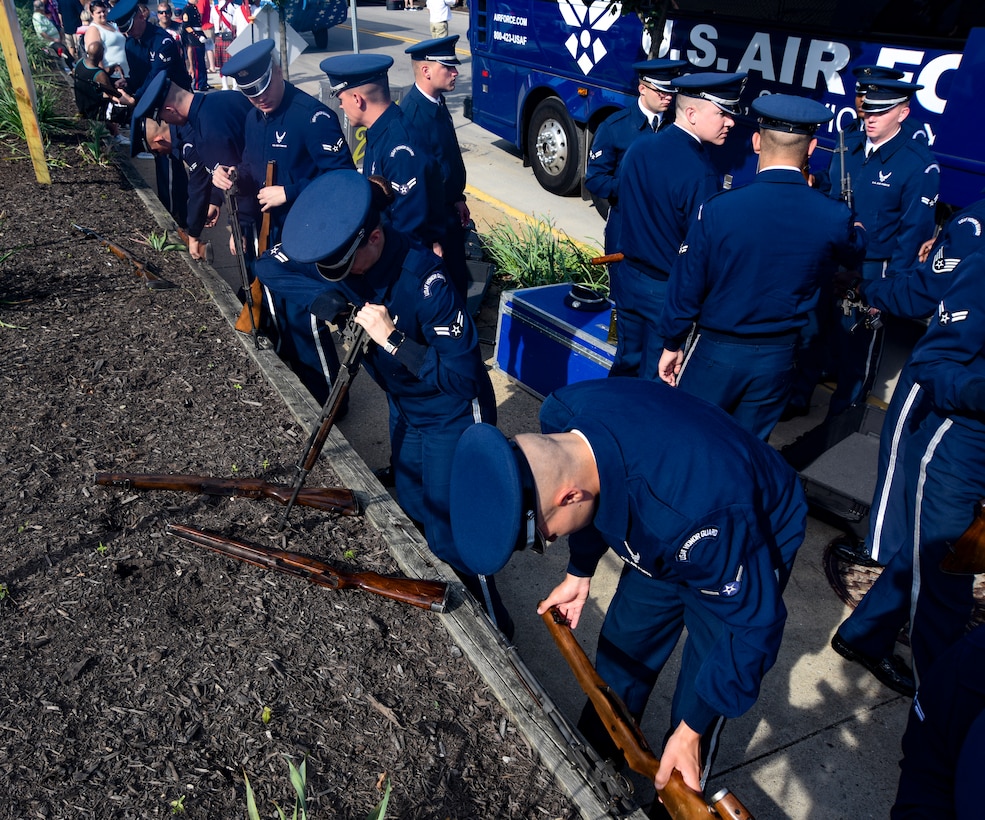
(846, 179)
(249, 318)
(331, 499)
(145, 270)
(232, 208)
(682, 802)
(357, 341)
(430, 595)
(967, 554)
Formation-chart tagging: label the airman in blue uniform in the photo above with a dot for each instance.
(215, 124)
(712, 553)
(286, 126)
(895, 181)
(621, 129)
(360, 82)
(663, 180)
(943, 485)
(426, 349)
(750, 291)
(428, 119)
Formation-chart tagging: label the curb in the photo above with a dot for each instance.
(593, 790)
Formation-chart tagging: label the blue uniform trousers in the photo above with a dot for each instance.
(642, 626)
(941, 494)
(639, 302)
(943, 735)
(889, 527)
(856, 354)
(750, 381)
(421, 458)
(304, 342)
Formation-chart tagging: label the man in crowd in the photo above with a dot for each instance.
(663, 179)
(751, 291)
(708, 542)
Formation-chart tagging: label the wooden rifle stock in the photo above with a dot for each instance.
(331, 499)
(430, 595)
(249, 309)
(967, 555)
(605, 260)
(678, 798)
(358, 342)
(145, 270)
(250, 316)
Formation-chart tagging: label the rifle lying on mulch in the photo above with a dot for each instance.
(145, 270)
(431, 595)
(682, 802)
(331, 499)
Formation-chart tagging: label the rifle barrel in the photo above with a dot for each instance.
(340, 500)
(430, 595)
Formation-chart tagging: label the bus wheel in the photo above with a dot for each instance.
(552, 145)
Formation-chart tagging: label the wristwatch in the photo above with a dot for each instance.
(393, 341)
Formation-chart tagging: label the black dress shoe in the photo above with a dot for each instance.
(852, 552)
(385, 476)
(794, 411)
(890, 671)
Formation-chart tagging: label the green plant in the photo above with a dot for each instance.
(102, 549)
(380, 811)
(538, 254)
(4, 592)
(178, 806)
(266, 715)
(299, 779)
(49, 121)
(94, 149)
(160, 242)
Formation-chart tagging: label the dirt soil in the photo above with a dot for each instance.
(135, 668)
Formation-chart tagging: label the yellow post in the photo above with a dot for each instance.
(23, 84)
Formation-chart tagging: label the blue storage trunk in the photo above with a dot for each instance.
(542, 344)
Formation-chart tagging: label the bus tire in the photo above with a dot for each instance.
(552, 146)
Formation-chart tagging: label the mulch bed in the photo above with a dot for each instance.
(134, 668)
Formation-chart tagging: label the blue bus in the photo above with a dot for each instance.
(545, 73)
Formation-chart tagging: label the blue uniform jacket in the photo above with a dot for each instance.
(154, 51)
(915, 293)
(611, 142)
(723, 516)
(437, 371)
(200, 191)
(663, 178)
(754, 260)
(895, 196)
(393, 153)
(949, 361)
(432, 125)
(303, 137)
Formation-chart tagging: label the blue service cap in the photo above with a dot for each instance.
(659, 73)
(866, 74)
(440, 50)
(493, 501)
(722, 89)
(883, 95)
(150, 103)
(328, 222)
(251, 68)
(353, 70)
(122, 14)
(794, 115)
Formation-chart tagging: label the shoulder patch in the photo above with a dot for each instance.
(949, 317)
(430, 282)
(277, 253)
(974, 222)
(684, 552)
(398, 148)
(320, 113)
(405, 188)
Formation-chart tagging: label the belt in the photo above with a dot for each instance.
(780, 337)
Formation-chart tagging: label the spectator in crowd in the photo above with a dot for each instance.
(50, 34)
(439, 12)
(194, 40)
(114, 42)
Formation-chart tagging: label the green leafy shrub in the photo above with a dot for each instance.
(537, 254)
